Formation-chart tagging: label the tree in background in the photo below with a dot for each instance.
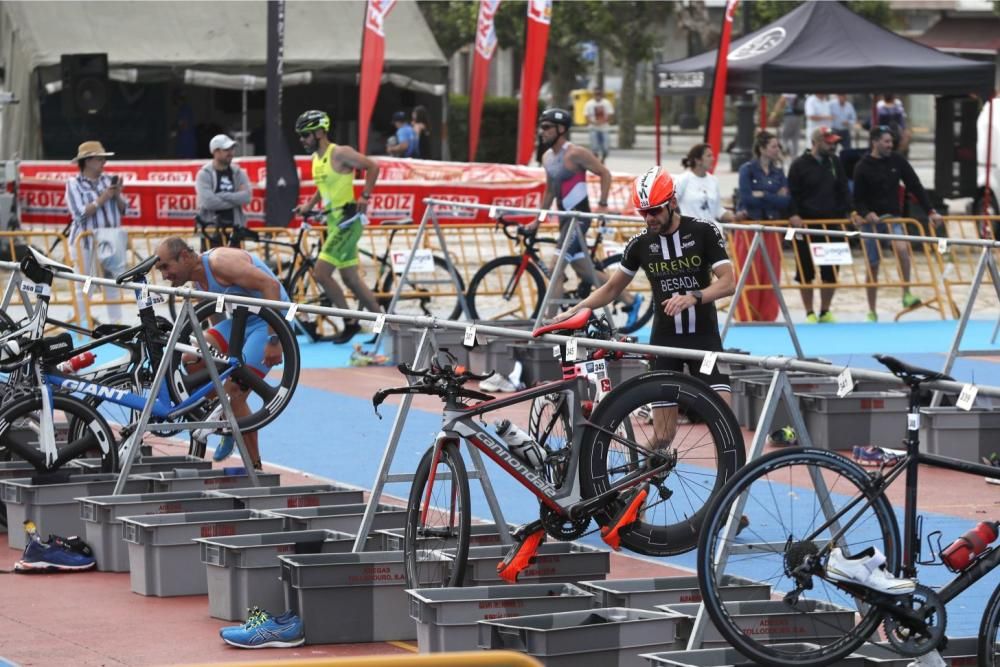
(453, 24)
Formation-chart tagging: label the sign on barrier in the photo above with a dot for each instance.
(831, 254)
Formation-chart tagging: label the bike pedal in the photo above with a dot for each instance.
(520, 556)
(629, 514)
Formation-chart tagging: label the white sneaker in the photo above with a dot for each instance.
(867, 569)
(497, 383)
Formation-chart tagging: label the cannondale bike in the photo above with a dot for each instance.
(646, 483)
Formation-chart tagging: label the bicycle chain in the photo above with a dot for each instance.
(595, 530)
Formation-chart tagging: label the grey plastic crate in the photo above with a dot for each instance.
(53, 507)
(860, 418)
(961, 651)
(148, 464)
(12, 470)
(625, 369)
(165, 560)
(967, 435)
(291, 497)
(405, 339)
(446, 617)
(244, 570)
(206, 480)
(729, 657)
(480, 535)
(102, 515)
(355, 597)
(594, 638)
(649, 593)
(556, 562)
(345, 518)
(770, 621)
(496, 353)
(538, 361)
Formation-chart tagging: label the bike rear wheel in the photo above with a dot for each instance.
(705, 452)
(502, 290)
(788, 497)
(989, 633)
(438, 517)
(429, 295)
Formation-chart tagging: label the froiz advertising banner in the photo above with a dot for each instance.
(372, 59)
(536, 43)
(486, 45)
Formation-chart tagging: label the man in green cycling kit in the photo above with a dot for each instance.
(333, 171)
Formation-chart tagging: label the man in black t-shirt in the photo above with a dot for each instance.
(223, 188)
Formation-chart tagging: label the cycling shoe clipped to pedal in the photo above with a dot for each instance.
(520, 556)
(867, 569)
(624, 518)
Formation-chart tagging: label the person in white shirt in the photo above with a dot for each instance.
(698, 194)
(844, 119)
(818, 113)
(599, 113)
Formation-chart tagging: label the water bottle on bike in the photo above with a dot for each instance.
(521, 444)
(965, 549)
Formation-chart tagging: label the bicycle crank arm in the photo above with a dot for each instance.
(591, 505)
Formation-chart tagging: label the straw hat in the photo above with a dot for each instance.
(90, 149)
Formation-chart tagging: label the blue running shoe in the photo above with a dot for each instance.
(225, 448)
(51, 557)
(263, 630)
(634, 311)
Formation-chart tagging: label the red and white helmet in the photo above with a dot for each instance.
(652, 189)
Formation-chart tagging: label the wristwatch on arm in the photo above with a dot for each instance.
(697, 296)
(273, 340)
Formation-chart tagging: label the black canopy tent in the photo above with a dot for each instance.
(824, 47)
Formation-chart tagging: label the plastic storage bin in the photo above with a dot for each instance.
(405, 339)
(206, 480)
(954, 432)
(960, 651)
(595, 638)
(165, 560)
(53, 507)
(480, 535)
(496, 354)
(770, 619)
(446, 617)
(860, 418)
(349, 598)
(344, 518)
(727, 657)
(291, 497)
(12, 470)
(102, 516)
(243, 570)
(539, 361)
(648, 593)
(556, 562)
(148, 464)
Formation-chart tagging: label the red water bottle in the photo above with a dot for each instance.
(965, 549)
(76, 363)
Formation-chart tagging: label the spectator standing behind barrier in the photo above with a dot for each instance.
(876, 196)
(599, 113)
(96, 205)
(763, 186)
(818, 113)
(698, 192)
(818, 187)
(844, 119)
(406, 142)
(422, 128)
(790, 109)
(223, 187)
(333, 171)
(889, 111)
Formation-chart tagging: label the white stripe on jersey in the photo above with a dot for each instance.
(678, 252)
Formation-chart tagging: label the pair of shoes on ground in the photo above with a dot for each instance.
(871, 455)
(823, 318)
(56, 555)
(867, 569)
(500, 383)
(361, 358)
(264, 630)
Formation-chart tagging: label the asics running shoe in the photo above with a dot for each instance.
(262, 630)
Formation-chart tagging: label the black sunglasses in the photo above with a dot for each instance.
(305, 135)
(546, 126)
(654, 211)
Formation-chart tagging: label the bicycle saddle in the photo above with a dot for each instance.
(48, 263)
(909, 373)
(140, 269)
(575, 323)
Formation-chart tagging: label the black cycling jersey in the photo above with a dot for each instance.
(679, 263)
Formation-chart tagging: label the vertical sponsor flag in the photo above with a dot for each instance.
(486, 44)
(282, 175)
(717, 110)
(536, 43)
(372, 58)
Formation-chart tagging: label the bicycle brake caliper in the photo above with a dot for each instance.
(520, 556)
(629, 514)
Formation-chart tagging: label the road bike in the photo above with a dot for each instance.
(647, 492)
(808, 502)
(512, 287)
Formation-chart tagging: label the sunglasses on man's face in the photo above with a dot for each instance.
(305, 135)
(545, 127)
(651, 212)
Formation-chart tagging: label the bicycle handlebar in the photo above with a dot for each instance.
(444, 381)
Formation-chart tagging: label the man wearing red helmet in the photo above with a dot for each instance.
(679, 255)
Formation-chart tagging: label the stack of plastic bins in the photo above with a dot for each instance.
(556, 562)
(102, 515)
(12, 470)
(771, 619)
(148, 464)
(725, 657)
(446, 617)
(611, 637)
(342, 518)
(860, 418)
(207, 480)
(354, 597)
(291, 497)
(53, 507)
(165, 560)
(480, 535)
(649, 593)
(243, 570)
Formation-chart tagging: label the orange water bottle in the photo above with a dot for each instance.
(964, 550)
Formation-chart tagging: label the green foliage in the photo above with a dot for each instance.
(767, 11)
(453, 23)
(497, 134)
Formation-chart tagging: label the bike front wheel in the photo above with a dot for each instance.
(654, 419)
(795, 502)
(989, 633)
(506, 288)
(431, 294)
(438, 517)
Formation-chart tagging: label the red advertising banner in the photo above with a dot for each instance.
(372, 59)
(486, 45)
(536, 43)
(713, 133)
